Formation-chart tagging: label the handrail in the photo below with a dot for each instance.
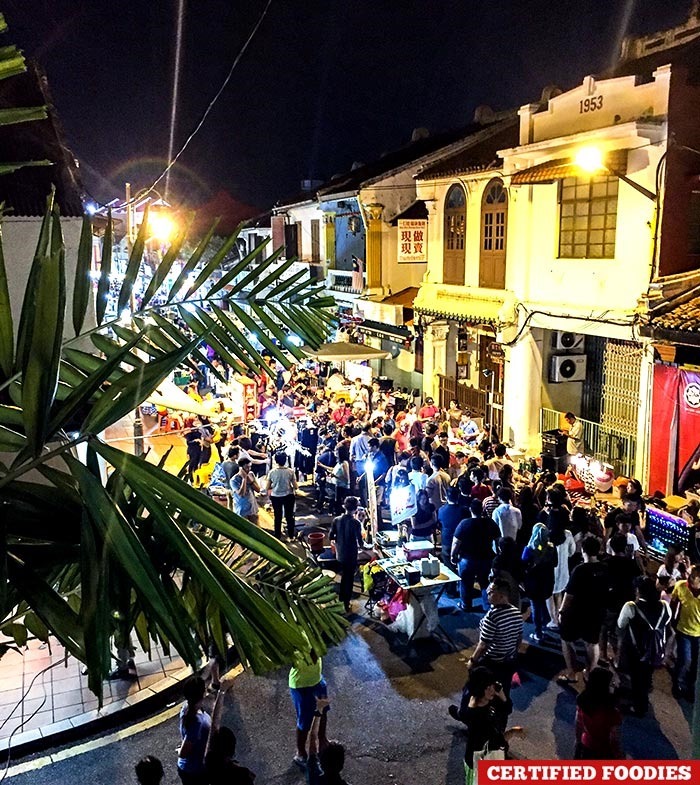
(605, 444)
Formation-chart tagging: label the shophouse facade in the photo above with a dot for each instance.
(466, 295)
(558, 262)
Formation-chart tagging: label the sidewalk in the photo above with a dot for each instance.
(57, 703)
(59, 707)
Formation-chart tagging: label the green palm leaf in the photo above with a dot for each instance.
(105, 270)
(236, 270)
(7, 335)
(131, 389)
(134, 264)
(83, 284)
(191, 263)
(165, 266)
(45, 326)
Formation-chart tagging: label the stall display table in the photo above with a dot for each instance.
(427, 591)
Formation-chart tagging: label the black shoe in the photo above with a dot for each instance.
(121, 674)
(453, 711)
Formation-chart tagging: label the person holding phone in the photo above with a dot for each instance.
(484, 709)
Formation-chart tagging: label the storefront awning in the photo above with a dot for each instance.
(388, 331)
(416, 211)
(550, 171)
(404, 297)
(343, 351)
(464, 305)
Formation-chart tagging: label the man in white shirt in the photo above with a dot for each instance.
(574, 440)
(508, 518)
(494, 465)
(417, 477)
(360, 397)
(336, 381)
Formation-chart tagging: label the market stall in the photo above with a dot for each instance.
(421, 579)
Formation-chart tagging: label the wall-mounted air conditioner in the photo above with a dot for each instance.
(568, 342)
(568, 368)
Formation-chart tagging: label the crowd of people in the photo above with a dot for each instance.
(576, 571)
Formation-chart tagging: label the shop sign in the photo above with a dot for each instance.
(497, 354)
(413, 235)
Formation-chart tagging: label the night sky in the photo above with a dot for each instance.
(324, 82)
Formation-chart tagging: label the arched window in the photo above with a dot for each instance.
(494, 219)
(455, 228)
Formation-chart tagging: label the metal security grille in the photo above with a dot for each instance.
(617, 439)
(622, 364)
(613, 440)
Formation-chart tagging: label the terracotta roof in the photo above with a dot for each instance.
(549, 171)
(683, 318)
(681, 54)
(24, 192)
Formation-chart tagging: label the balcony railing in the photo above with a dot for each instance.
(606, 445)
(342, 281)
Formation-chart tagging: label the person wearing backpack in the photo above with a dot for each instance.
(643, 626)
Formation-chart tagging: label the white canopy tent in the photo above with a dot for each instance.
(169, 396)
(343, 351)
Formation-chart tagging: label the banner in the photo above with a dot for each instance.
(567, 772)
(402, 503)
(412, 241)
(688, 430)
(674, 453)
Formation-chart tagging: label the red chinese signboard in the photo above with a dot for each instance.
(412, 241)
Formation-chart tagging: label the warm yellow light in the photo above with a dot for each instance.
(590, 159)
(160, 226)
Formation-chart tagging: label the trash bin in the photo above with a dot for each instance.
(554, 463)
(316, 541)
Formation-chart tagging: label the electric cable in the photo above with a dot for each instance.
(5, 771)
(204, 116)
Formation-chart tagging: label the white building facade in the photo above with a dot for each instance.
(557, 262)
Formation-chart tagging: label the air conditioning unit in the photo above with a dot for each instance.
(568, 368)
(568, 342)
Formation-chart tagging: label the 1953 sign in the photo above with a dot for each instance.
(592, 104)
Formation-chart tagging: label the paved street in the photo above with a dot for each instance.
(390, 709)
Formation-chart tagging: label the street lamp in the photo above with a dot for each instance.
(590, 159)
(161, 227)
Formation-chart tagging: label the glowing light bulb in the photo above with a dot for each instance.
(590, 159)
(161, 226)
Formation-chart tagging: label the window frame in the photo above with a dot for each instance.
(489, 258)
(452, 262)
(567, 249)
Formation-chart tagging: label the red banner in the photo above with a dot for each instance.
(563, 772)
(674, 459)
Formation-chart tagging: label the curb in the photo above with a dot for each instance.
(142, 703)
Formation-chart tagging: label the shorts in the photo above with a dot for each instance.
(580, 628)
(304, 700)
